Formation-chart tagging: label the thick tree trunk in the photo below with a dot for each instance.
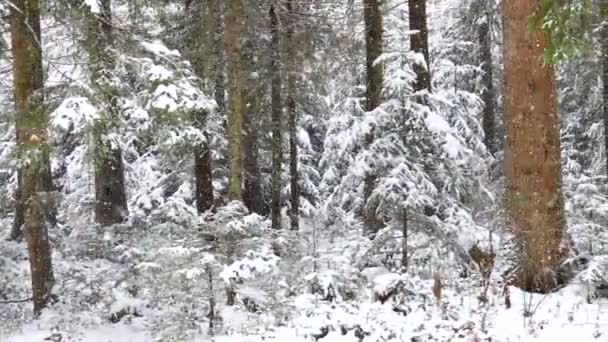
(110, 192)
(234, 28)
(31, 131)
(487, 95)
(373, 98)
(277, 107)
(419, 43)
(294, 213)
(534, 203)
(37, 84)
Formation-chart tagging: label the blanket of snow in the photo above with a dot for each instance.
(562, 316)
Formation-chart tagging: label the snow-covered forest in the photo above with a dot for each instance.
(303, 170)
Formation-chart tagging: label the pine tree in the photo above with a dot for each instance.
(419, 43)
(234, 28)
(373, 96)
(487, 95)
(110, 193)
(534, 203)
(33, 143)
(277, 108)
(253, 196)
(290, 62)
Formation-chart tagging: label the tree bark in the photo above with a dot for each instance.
(110, 193)
(487, 95)
(277, 107)
(202, 169)
(290, 62)
(373, 97)
(533, 199)
(604, 43)
(419, 43)
(234, 28)
(32, 142)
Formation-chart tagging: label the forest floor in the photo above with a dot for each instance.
(561, 316)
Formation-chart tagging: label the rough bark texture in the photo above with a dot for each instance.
(294, 211)
(534, 200)
(32, 141)
(35, 65)
(487, 95)
(419, 43)
(277, 146)
(234, 28)
(110, 192)
(373, 98)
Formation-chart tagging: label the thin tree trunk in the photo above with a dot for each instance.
(277, 146)
(487, 95)
(234, 28)
(419, 43)
(110, 192)
(373, 97)
(604, 39)
(534, 202)
(294, 213)
(202, 170)
(31, 131)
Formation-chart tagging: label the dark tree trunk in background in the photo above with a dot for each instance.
(253, 196)
(604, 39)
(487, 95)
(234, 27)
(276, 113)
(202, 169)
(533, 199)
(291, 55)
(32, 140)
(218, 53)
(373, 98)
(419, 43)
(110, 192)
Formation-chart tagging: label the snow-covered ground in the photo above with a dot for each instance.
(559, 317)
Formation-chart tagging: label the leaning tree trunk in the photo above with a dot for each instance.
(487, 95)
(110, 192)
(290, 62)
(277, 107)
(33, 143)
(419, 43)
(373, 98)
(234, 27)
(533, 199)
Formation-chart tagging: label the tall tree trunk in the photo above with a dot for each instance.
(534, 202)
(234, 28)
(419, 43)
(277, 146)
(290, 62)
(33, 144)
(373, 98)
(487, 95)
(212, 25)
(604, 39)
(110, 192)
